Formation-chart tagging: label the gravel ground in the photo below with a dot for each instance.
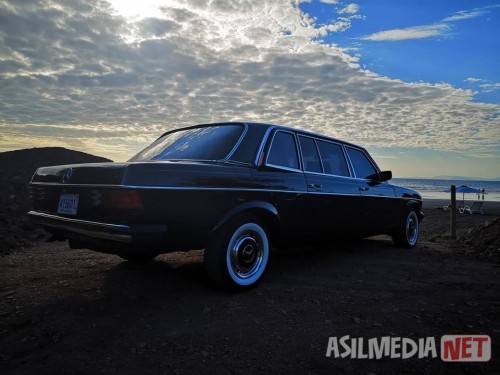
(75, 311)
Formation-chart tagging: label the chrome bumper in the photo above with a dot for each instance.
(114, 232)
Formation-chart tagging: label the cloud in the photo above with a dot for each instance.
(349, 9)
(442, 28)
(483, 85)
(468, 14)
(489, 87)
(77, 73)
(415, 32)
(473, 80)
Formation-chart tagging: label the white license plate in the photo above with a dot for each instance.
(68, 204)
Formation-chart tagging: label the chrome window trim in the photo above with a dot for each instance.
(331, 175)
(296, 151)
(263, 144)
(233, 150)
(317, 150)
(348, 161)
(364, 152)
(316, 139)
(284, 168)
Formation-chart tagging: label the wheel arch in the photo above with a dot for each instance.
(261, 209)
(417, 206)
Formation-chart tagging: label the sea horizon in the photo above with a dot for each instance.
(433, 188)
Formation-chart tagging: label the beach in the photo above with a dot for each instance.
(437, 220)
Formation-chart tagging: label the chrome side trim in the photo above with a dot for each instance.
(182, 188)
(138, 187)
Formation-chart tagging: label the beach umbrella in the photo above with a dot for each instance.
(464, 189)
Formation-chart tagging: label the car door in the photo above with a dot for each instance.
(281, 180)
(333, 202)
(379, 205)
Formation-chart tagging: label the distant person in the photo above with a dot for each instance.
(482, 191)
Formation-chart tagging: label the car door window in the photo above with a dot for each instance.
(332, 158)
(310, 156)
(283, 152)
(363, 167)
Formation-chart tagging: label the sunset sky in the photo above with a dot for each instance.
(415, 82)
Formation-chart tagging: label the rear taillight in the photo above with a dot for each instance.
(129, 199)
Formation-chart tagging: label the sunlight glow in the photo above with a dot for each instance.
(137, 10)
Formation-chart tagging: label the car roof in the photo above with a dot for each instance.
(303, 132)
(270, 126)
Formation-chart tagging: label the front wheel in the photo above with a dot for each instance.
(236, 256)
(406, 234)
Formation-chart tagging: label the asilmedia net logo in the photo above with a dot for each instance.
(454, 348)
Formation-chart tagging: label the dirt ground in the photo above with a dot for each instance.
(75, 311)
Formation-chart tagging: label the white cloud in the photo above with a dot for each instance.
(474, 80)
(78, 74)
(428, 31)
(415, 32)
(468, 14)
(489, 87)
(350, 9)
(464, 15)
(329, 1)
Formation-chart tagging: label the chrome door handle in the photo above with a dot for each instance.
(314, 186)
(364, 189)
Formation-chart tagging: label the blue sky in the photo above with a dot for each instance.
(457, 43)
(415, 82)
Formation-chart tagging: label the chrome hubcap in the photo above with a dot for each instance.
(247, 254)
(412, 228)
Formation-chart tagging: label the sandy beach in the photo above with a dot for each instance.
(489, 207)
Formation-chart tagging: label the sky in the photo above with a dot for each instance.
(415, 82)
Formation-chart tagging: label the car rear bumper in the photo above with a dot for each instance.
(118, 233)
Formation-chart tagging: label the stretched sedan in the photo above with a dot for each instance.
(233, 189)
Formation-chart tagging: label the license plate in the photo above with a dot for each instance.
(68, 204)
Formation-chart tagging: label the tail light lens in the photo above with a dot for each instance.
(129, 199)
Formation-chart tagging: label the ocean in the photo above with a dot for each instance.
(430, 188)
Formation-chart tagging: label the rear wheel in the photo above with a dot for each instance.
(236, 256)
(406, 234)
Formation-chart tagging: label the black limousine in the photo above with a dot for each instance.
(232, 189)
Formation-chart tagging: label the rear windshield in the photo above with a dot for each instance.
(204, 143)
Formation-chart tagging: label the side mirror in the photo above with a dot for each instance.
(385, 176)
(380, 176)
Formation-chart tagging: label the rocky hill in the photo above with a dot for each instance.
(16, 169)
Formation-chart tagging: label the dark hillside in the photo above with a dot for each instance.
(16, 169)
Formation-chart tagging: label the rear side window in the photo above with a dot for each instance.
(283, 152)
(310, 156)
(360, 162)
(333, 158)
